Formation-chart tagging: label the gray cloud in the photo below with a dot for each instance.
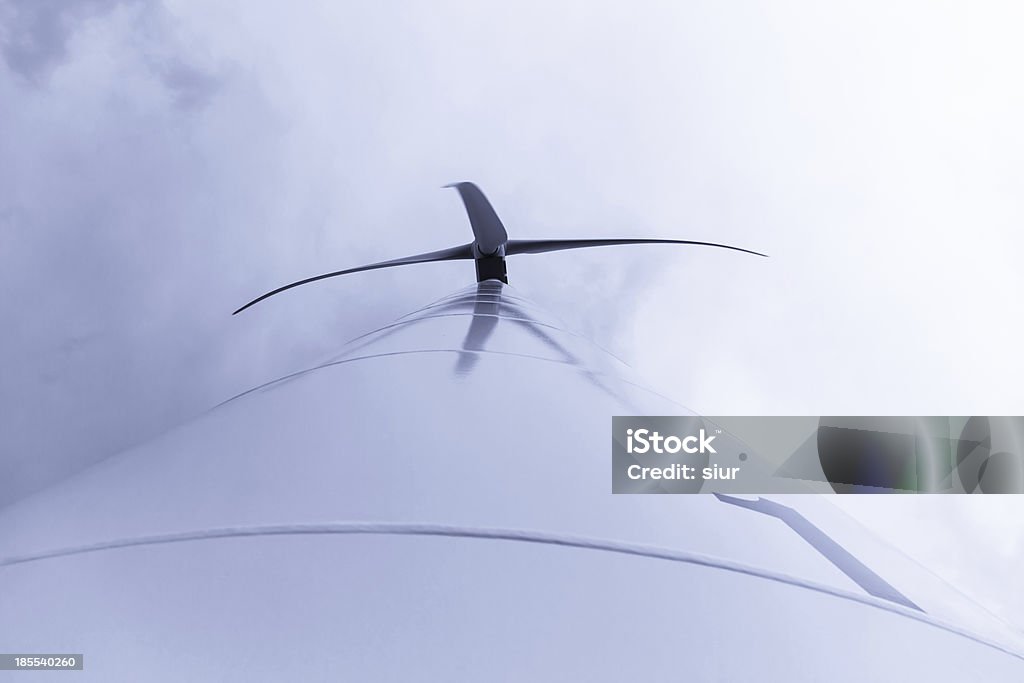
(192, 87)
(36, 33)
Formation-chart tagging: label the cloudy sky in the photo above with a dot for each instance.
(165, 162)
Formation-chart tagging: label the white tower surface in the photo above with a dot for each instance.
(435, 504)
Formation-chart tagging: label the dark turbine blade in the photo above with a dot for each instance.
(541, 246)
(487, 227)
(453, 254)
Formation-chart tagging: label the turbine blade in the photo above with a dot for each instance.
(541, 246)
(453, 254)
(487, 227)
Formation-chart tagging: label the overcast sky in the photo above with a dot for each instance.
(163, 163)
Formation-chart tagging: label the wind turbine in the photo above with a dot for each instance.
(490, 246)
(433, 503)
